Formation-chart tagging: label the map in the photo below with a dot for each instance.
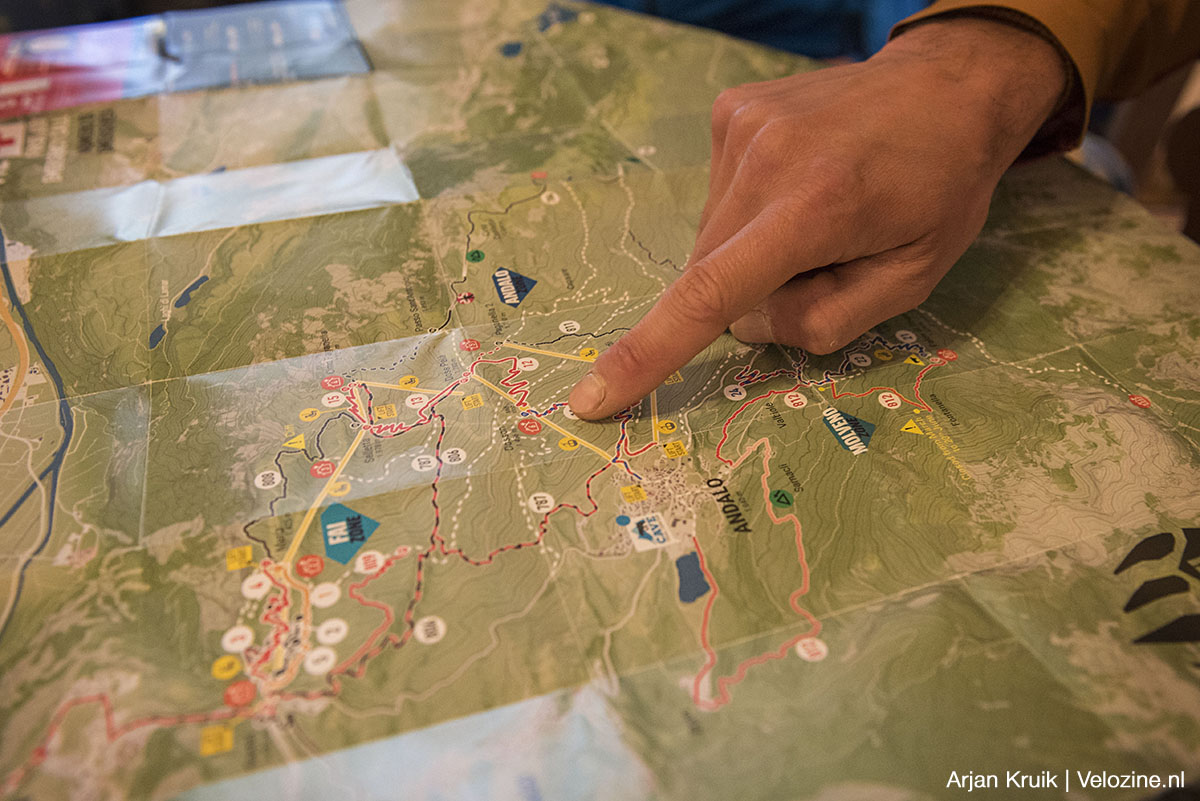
(293, 505)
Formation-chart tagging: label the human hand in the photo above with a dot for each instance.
(839, 198)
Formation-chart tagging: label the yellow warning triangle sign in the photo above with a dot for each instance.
(914, 360)
(296, 442)
(912, 427)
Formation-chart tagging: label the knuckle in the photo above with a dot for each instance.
(836, 182)
(823, 328)
(724, 107)
(820, 338)
(748, 120)
(700, 297)
(772, 143)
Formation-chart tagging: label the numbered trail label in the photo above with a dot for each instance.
(889, 400)
(795, 400)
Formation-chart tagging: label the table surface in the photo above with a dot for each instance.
(293, 505)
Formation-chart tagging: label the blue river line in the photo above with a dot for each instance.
(65, 418)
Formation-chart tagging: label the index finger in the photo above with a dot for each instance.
(696, 309)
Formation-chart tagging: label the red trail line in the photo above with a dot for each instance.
(275, 604)
(740, 409)
(724, 683)
(919, 402)
(112, 732)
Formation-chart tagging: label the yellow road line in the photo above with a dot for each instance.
(312, 510)
(555, 426)
(422, 390)
(654, 414)
(549, 353)
(293, 667)
(607, 457)
(22, 351)
(494, 388)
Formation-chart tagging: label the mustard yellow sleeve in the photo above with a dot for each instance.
(1118, 47)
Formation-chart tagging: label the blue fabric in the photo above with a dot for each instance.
(817, 28)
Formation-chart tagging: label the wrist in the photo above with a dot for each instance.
(1007, 78)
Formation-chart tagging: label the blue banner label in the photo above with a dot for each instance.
(345, 532)
(511, 286)
(853, 434)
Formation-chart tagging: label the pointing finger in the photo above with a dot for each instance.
(696, 309)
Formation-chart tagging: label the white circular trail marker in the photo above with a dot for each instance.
(429, 629)
(890, 400)
(320, 660)
(368, 562)
(812, 649)
(255, 586)
(541, 502)
(795, 400)
(268, 479)
(237, 639)
(332, 631)
(325, 595)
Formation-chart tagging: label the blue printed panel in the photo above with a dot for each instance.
(511, 286)
(345, 532)
(853, 434)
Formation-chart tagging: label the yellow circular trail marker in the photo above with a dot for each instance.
(226, 667)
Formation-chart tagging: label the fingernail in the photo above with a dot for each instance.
(587, 396)
(753, 326)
